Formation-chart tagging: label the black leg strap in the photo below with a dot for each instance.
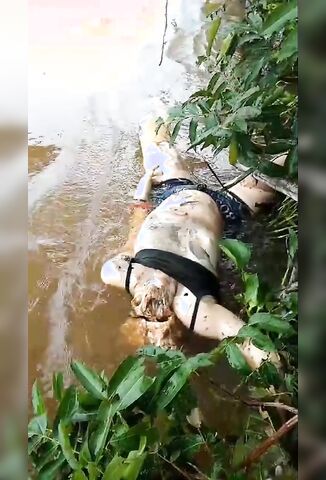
(127, 283)
(194, 314)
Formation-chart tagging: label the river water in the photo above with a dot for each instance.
(94, 75)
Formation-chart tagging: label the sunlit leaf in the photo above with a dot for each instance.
(67, 450)
(259, 339)
(236, 251)
(211, 34)
(292, 243)
(37, 425)
(67, 407)
(193, 130)
(175, 132)
(105, 416)
(58, 386)
(37, 400)
(279, 17)
(251, 283)
(79, 475)
(233, 150)
(271, 323)
(289, 46)
(51, 470)
(90, 380)
(236, 359)
(115, 469)
(225, 46)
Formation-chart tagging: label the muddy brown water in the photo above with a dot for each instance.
(94, 74)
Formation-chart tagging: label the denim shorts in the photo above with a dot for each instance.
(232, 209)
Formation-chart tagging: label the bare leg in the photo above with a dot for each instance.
(255, 192)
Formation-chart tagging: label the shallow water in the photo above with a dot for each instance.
(94, 74)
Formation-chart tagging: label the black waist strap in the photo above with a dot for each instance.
(192, 275)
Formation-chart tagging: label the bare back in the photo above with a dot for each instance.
(187, 223)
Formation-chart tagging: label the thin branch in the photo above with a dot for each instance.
(184, 474)
(254, 456)
(164, 34)
(281, 406)
(256, 403)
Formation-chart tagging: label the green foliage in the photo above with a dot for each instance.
(272, 317)
(118, 429)
(250, 102)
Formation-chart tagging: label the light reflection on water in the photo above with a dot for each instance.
(94, 74)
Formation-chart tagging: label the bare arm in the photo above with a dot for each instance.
(216, 322)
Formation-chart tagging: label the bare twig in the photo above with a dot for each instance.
(165, 29)
(281, 406)
(254, 456)
(184, 474)
(256, 403)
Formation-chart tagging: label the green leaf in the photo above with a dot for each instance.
(291, 162)
(175, 132)
(34, 442)
(64, 441)
(67, 408)
(201, 360)
(115, 469)
(236, 359)
(58, 386)
(193, 130)
(258, 338)
(174, 385)
(125, 369)
(79, 475)
(37, 400)
(279, 17)
(89, 380)
(251, 282)
(129, 440)
(247, 113)
(236, 251)
(211, 34)
(37, 425)
(212, 7)
(225, 46)
(133, 388)
(271, 323)
(233, 150)
(186, 446)
(105, 416)
(292, 243)
(134, 465)
(93, 471)
(84, 454)
(48, 456)
(289, 46)
(50, 471)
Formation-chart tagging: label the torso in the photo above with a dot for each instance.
(187, 223)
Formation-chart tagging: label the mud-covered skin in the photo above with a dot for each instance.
(188, 223)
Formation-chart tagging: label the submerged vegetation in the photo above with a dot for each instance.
(146, 421)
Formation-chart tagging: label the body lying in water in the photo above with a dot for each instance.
(170, 262)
